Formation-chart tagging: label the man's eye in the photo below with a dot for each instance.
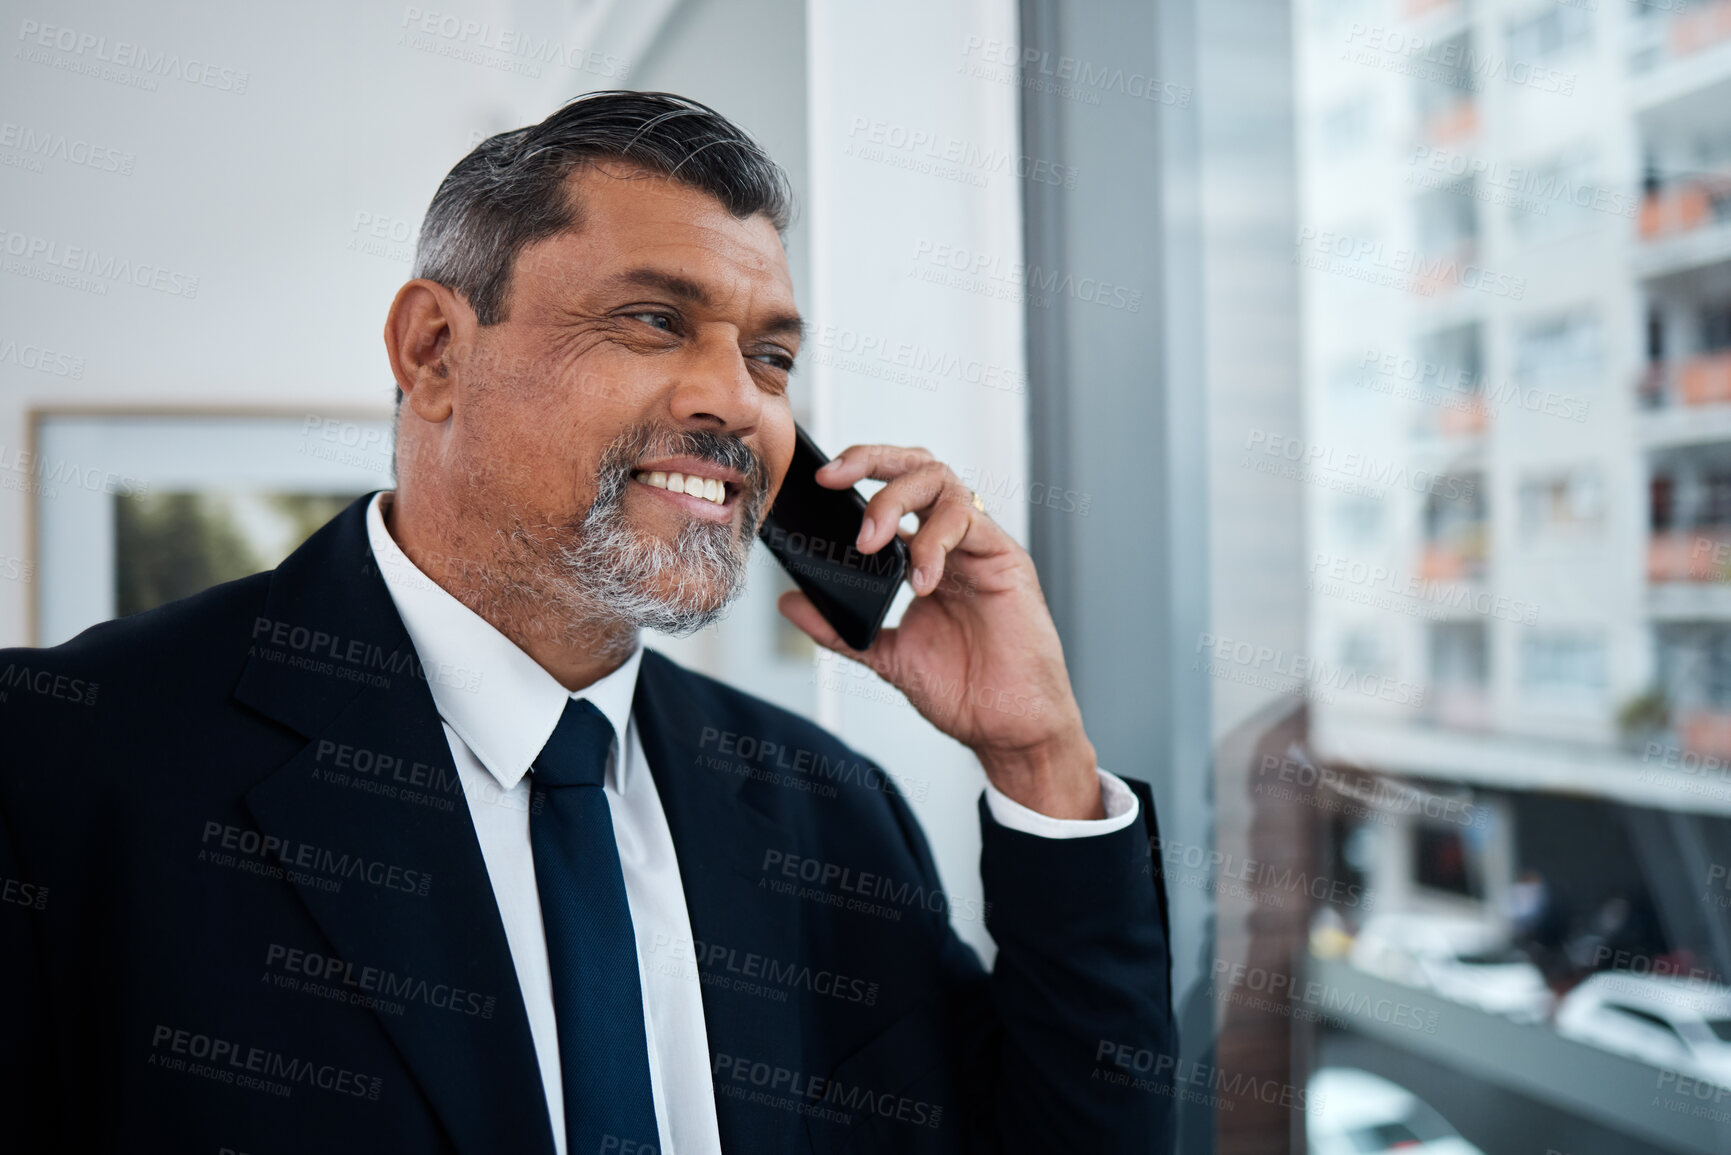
(656, 320)
(779, 360)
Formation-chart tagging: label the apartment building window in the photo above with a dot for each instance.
(1560, 351)
(1691, 487)
(1453, 358)
(1460, 655)
(1559, 196)
(1448, 218)
(1441, 861)
(1444, 91)
(1550, 33)
(1715, 326)
(1564, 664)
(1565, 503)
(1456, 537)
(1695, 667)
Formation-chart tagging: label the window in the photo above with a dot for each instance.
(1715, 322)
(1459, 654)
(1550, 33)
(1445, 83)
(1563, 663)
(1570, 502)
(1453, 358)
(1448, 218)
(1695, 666)
(1558, 196)
(1562, 351)
(1441, 861)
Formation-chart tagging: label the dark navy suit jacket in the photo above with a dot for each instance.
(243, 908)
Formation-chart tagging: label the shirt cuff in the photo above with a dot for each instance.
(1121, 803)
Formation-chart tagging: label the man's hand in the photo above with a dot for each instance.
(976, 653)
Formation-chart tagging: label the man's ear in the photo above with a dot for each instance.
(426, 325)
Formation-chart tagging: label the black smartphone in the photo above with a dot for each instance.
(811, 531)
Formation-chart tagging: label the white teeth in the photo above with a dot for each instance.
(705, 487)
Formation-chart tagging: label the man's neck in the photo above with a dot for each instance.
(576, 648)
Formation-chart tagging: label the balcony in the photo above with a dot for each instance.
(1705, 380)
(1457, 535)
(1460, 707)
(1452, 562)
(1441, 277)
(1692, 381)
(1685, 206)
(1706, 732)
(1698, 28)
(1453, 124)
(1702, 554)
(1682, 35)
(1469, 420)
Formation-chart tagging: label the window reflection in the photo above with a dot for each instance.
(1517, 289)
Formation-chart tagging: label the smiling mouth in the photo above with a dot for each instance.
(711, 489)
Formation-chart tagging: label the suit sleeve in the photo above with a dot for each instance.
(1074, 1044)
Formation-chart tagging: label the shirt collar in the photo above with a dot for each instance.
(496, 697)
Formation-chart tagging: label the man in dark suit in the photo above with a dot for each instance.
(408, 845)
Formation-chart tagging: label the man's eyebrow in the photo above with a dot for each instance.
(786, 325)
(672, 284)
(693, 292)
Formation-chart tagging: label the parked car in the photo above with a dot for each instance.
(1680, 1024)
(1353, 1112)
(1463, 959)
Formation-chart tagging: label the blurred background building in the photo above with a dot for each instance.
(1357, 371)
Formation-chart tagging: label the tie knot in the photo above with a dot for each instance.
(576, 754)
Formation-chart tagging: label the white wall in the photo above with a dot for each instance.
(895, 71)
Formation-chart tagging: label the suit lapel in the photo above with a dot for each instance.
(412, 897)
(720, 839)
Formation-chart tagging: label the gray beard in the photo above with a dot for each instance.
(617, 574)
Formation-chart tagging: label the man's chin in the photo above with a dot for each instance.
(642, 567)
(679, 598)
(701, 598)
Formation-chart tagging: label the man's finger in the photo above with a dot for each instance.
(879, 462)
(909, 493)
(941, 533)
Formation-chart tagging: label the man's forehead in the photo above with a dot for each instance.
(643, 230)
(626, 207)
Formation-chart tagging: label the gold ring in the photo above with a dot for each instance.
(974, 499)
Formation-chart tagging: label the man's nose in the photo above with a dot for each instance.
(715, 388)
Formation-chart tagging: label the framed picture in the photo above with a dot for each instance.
(134, 509)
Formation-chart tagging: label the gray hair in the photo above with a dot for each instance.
(510, 191)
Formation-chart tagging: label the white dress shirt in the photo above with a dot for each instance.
(496, 725)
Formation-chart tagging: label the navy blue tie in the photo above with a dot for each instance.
(597, 1000)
